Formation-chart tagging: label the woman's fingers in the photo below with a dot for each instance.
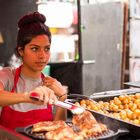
(39, 91)
(44, 94)
(55, 85)
(49, 81)
(52, 98)
(48, 95)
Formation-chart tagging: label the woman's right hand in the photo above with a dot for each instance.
(44, 95)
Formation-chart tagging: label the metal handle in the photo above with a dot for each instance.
(20, 129)
(63, 104)
(122, 131)
(89, 61)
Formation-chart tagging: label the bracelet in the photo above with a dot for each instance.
(62, 95)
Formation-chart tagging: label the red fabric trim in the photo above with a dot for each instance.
(17, 74)
(13, 119)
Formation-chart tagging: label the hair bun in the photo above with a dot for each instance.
(31, 18)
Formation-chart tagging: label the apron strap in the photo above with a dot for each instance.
(42, 76)
(17, 75)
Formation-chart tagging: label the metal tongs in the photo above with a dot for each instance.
(67, 105)
(70, 106)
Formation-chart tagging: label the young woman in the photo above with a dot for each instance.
(16, 85)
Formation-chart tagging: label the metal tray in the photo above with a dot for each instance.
(111, 93)
(112, 134)
(111, 121)
(134, 129)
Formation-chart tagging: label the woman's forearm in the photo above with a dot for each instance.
(61, 113)
(8, 98)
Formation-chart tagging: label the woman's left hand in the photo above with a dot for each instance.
(55, 85)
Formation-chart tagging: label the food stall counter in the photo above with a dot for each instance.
(6, 134)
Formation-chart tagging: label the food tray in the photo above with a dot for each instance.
(111, 121)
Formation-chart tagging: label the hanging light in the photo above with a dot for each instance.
(58, 14)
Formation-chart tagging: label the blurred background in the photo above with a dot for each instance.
(95, 43)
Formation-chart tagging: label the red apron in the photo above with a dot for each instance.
(11, 118)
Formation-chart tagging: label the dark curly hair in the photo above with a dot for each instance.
(30, 26)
